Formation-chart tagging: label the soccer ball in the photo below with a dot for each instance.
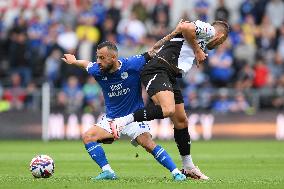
(42, 166)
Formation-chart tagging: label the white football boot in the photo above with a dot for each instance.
(194, 173)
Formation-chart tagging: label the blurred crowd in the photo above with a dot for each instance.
(244, 74)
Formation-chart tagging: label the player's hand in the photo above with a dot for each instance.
(69, 58)
(200, 57)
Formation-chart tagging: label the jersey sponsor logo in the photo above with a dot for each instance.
(116, 87)
(104, 78)
(118, 90)
(124, 75)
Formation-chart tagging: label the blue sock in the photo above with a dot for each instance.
(163, 158)
(97, 153)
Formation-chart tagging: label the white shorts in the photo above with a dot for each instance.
(133, 130)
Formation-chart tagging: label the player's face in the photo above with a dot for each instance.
(216, 41)
(105, 59)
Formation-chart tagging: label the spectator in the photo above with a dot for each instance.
(160, 29)
(161, 6)
(222, 12)
(132, 27)
(140, 10)
(192, 100)
(88, 35)
(35, 32)
(261, 74)
(113, 13)
(259, 10)
(18, 51)
(246, 8)
(280, 45)
(92, 96)
(71, 96)
(244, 52)
(245, 78)
(266, 40)
(201, 8)
(276, 68)
(274, 11)
(222, 104)
(220, 62)
(250, 30)
(52, 67)
(99, 9)
(15, 94)
(31, 96)
(278, 98)
(239, 104)
(68, 40)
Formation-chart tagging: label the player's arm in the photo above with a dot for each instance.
(154, 50)
(71, 59)
(189, 33)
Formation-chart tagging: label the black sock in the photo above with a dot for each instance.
(183, 142)
(148, 113)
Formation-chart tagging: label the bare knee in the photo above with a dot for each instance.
(146, 142)
(89, 137)
(167, 102)
(168, 110)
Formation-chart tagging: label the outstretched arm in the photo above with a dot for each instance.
(154, 50)
(71, 59)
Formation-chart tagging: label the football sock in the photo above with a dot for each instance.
(148, 113)
(183, 142)
(163, 158)
(97, 153)
(107, 167)
(187, 162)
(175, 171)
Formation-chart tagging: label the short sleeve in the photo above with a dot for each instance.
(203, 30)
(137, 61)
(92, 68)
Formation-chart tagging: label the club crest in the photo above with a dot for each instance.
(124, 75)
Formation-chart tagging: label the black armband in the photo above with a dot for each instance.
(147, 56)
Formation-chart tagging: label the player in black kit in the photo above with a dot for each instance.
(159, 78)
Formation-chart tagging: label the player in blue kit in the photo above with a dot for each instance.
(121, 86)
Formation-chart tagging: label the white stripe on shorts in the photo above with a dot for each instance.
(149, 83)
(177, 39)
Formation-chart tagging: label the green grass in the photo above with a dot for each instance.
(230, 164)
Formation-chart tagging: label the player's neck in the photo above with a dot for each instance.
(115, 67)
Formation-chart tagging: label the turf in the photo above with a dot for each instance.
(230, 164)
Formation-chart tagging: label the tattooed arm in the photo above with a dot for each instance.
(154, 50)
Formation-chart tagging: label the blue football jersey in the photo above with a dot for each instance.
(121, 89)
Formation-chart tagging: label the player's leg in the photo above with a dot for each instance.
(158, 85)
(160, 155)
(91, 139)
(139, 132)
(182, 139)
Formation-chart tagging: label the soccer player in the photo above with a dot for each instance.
(159, 77)
(121, 86)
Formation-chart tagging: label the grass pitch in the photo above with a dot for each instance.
(230, 164)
